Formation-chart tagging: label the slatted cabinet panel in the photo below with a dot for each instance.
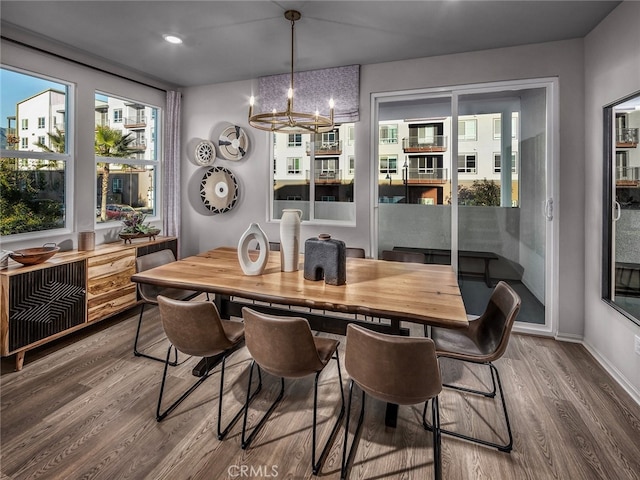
(109, 286)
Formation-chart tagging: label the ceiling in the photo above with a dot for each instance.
(238, 40)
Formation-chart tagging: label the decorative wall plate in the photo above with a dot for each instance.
(219, 190)
(233, 143)
(205, 153)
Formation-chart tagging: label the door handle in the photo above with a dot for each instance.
(616, 211)
(548, 209)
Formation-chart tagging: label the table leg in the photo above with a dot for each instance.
(391, 415)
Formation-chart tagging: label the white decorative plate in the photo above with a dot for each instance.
(205, 153)
(233, 143)
(219, 190)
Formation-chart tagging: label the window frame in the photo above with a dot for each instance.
(466, 169)
(387, 159)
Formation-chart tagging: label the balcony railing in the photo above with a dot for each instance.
(325, 176)
(325, 148)
(627, 137)
(138, 145)
(135, 122)
(437, 143)
(627, 176)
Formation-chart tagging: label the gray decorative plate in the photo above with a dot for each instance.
(233, 143)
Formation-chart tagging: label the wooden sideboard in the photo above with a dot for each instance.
(70, 291)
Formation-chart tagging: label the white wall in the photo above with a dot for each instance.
(612, 71)
(206, 108)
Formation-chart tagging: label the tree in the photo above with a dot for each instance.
(110, 143)
(485, 193)
(58, 141)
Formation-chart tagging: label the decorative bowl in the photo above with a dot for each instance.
(33, 256)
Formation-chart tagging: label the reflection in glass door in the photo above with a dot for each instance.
(466, 184)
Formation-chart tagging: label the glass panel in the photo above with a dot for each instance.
(35, 164)
(501, 221)
(414, 177)
(33, 193)
(125, 129)
(622, 251)
(291, 165)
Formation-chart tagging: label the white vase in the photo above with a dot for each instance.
(290, 239)
(249, 267)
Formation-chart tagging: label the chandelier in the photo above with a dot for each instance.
(290, 121)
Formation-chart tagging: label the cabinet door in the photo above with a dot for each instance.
(109, 286)
(45, 302)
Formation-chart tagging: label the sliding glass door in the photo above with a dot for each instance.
(467, 184)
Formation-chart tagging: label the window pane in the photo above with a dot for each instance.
(125, 129)
(33, 193)
(33, 186)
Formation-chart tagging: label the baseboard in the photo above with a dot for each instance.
(569, 337)
(614, 372)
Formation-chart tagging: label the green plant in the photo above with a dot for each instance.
(134, 223)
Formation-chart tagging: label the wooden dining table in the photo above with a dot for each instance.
(397, 292)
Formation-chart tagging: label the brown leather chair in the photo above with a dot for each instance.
(195, 328)
(400, 256)
(355, 252)
(149, 293)
(394, 369)
(286, 348)
(483, 342)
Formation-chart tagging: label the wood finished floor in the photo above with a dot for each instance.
(84, 408)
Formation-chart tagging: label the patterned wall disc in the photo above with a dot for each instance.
(219, 190)
(233, 143)
(205, 153)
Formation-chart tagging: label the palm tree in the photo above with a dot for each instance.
(110, 143)
(58, 142)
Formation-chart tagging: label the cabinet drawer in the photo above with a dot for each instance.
(111, 302)
(109, 286)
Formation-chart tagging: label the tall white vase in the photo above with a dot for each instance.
(290, 239)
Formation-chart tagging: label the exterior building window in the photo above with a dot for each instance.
(351, 135)
(295, 140)
(467, 163)
(34, 180)
(293, 166)
(388, 164)
(389, 134)
(352, 164)
(468, 129)
(497, 127)
(497, 162)
(127, 158)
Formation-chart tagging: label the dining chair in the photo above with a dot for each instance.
(483, 342)
(285, 347)
(355, 252)
(195, 328)
(149, 293)
(395, 369)
(400, 256)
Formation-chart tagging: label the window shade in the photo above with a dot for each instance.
(312, 91)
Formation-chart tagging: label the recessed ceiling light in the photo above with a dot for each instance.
(172, 38)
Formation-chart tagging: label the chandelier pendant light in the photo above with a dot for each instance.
(290, 121)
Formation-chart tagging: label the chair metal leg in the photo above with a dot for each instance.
(503, 448)
(347, 458)
(223, 433)
(437, 438)
(317, 465)
(161, 415)
(137, 353)
(246, 441)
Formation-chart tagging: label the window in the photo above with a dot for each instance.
(40, 122)
(467, 163)
(34, 179)
(295, 140)
(388, 134)
(293, 166)
(313, 178)
(497, 127)
(388, 164)
(496, 162)
(127, 159)
(430, 166)
(351, 135)
(468, 129)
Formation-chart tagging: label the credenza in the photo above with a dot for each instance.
(68, 292)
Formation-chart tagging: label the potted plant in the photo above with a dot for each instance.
(134, 227)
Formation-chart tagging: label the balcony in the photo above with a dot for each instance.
(135, 123)
(325, 148)
(437, 143)
(138, 146)
(626, 138)
(426, 176)
(627, 176)
(326, 176)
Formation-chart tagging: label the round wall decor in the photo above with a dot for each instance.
(219, 190)
(205, 153)
(233, 143)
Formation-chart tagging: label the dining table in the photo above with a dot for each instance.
(378, 294)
